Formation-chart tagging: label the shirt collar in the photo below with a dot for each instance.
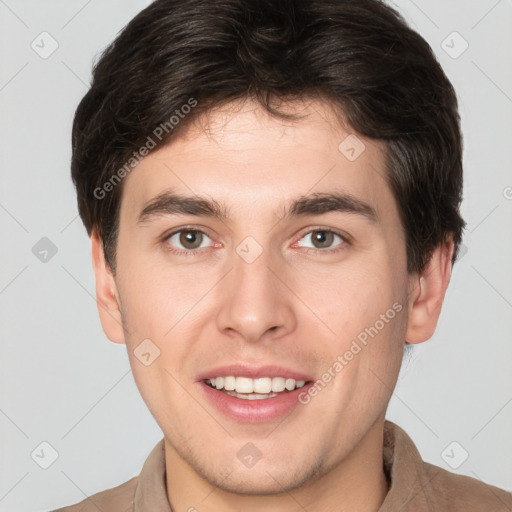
(411, 487)
(151, 493)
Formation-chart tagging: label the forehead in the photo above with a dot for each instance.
(243, 157)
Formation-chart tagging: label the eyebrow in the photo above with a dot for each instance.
(169, 203)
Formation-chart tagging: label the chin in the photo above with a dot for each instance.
(261, 480)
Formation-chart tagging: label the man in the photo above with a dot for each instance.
(272, 192)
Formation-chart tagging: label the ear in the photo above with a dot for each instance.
(107, 297)
(427, 291)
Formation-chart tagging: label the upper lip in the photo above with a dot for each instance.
(254, 372)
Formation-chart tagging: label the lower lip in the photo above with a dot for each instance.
(254, 411)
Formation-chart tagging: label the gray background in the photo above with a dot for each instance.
(61, 380)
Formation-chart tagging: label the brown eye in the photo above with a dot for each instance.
(323, 239)
(191, 239)
(187, 239)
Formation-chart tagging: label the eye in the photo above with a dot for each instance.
(324, 239)
(189, 239)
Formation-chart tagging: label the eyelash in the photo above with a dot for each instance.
(195, 252)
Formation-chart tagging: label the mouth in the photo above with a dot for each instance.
(254, 395)
(261, 388)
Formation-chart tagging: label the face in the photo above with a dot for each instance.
(288, 279)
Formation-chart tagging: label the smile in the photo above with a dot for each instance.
(261, 388)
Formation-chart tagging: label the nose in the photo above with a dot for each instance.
(255, 302)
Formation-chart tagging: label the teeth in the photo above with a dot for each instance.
(263, 385)
(251, 396)
(244, 385)
(229, 383)
(289, 384)
(257, 387)
(278, 384)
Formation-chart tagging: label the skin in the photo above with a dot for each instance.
(292, 307)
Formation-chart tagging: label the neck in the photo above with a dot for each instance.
(358, 482)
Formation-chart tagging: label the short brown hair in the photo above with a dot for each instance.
(359, 55)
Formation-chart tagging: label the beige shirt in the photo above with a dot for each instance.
(416, 486)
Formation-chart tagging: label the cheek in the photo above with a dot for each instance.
(366, 313)
(158, 387)
(153, 299)
(158, 312)
(370, 356)
(351, 300)
(155, 322)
